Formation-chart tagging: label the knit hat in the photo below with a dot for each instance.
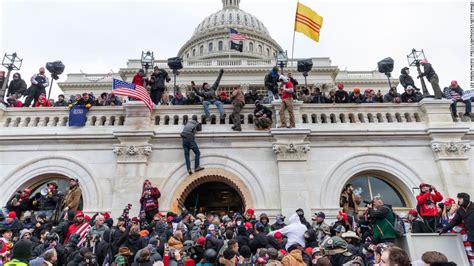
(22, 250)
(201, 241)
(424, 61)
(144, 233)
(11, 215)
(454, 83)
(340, 86)
(309, 250)
(356, 90)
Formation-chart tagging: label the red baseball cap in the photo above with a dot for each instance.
(250, 211)
(449, 201)
(278, 235)
(106, 215)
(11, 215)
(248, 225)
(201, 241)
(413, 212)
(79, 214)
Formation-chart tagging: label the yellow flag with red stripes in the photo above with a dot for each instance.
(308, 22)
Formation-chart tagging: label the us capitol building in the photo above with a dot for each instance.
(386, 149)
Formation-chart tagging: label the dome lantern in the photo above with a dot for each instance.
(230, 3)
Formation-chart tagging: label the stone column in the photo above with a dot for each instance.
(133, 152)
(450, 151)
(291, 150)
(296, 109)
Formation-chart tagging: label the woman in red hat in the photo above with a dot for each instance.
(149, 201)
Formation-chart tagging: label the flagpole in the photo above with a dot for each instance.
(294, 31)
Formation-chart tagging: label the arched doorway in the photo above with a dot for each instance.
(39, 183)
(214, 197)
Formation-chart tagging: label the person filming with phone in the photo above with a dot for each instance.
(427, 205)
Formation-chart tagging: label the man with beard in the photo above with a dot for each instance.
(72, 197)
(464, 214)
(48, 202)
(20, 202)
(432, 77)
(405, 78)
(320, 226)
(263, 116)
(349, 201)
(80, 226)
(38, 84)
(17, 86)
(149, 201)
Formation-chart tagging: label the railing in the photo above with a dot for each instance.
(314, 116)
(59, 116)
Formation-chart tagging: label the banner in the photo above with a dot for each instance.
(467, 94)
(78, 116)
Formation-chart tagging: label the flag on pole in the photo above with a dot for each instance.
(308, 22)
(234, 35)
(237, 46)
(138, 92)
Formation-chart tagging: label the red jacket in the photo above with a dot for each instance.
(138, 80)
(151, 202)
(427, 203)
(72, 229)
(284, 94)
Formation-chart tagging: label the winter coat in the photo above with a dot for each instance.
(342, 96)
(464, 215)
(60, 103)
(390, 97)
(157, 80)
(49, 202)
(262, 110)
(138, 80)
(418, 226)
(175, 243)
(98, 230)
(61, 229)
(413, 97)
(273, 243)
(406, 80)
(190, 129)
(237, 97)
(213, 242)
(353, 98)
(294, 231)
(318, 99)
(154, 255)
(259, 241)
(151, 202)
(179, 101)
(454, 94)
(209, 94)
(134, 243)
(242, 237)
(39, 81)
(344, 201)
(251, 98)
(15, 226)
(271, 81)
(274, 263)
(72, 198)
(381, 228)
(428, 72)
(17, 86)
(294, 258)
(426, 203)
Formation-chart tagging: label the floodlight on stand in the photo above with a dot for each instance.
(175, 64)
(147, 61)
(56, 68)
(10, 62)
(282, 60)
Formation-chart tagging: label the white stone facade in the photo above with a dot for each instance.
(275, 171)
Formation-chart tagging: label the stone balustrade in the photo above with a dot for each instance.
(313, 116)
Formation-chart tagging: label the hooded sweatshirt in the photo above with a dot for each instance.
(294, 231)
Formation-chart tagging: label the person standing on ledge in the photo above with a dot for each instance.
(189, 131)
(286, 103)
(432, 77)
(209, 97)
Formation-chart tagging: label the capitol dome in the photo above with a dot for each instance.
(211, 37)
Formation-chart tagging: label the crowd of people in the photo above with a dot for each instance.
(277, 86)
(49, 228)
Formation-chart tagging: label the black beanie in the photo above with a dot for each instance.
(22, 250)
(464, 196)
(229, 254)
(245, 252)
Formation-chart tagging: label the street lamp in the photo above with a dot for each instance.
(282, 60)
(147, 61)
(414, 59)
(10, 62)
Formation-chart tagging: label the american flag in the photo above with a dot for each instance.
(236, 36)
(82, 231)
(123, 88)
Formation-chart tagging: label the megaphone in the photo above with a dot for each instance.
(44, 191)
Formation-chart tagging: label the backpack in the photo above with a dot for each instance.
(398, 226)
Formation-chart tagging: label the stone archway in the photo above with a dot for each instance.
(33, 171)
(211, 175)
(400, 174)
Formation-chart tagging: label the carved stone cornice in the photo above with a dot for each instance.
(453, 150)
(291, 151)
(132, 153)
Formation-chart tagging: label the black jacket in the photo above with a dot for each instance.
(17, 86)
(209, 94)
(214, 243)
(318, 99)
(271, 82)
(157, 81)
(414, 97)
(259, 241)
(342, 96)
(466, 216)
(49, 202)
(251, 98)
(262, 110)
(428, 72)
(407, 80)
